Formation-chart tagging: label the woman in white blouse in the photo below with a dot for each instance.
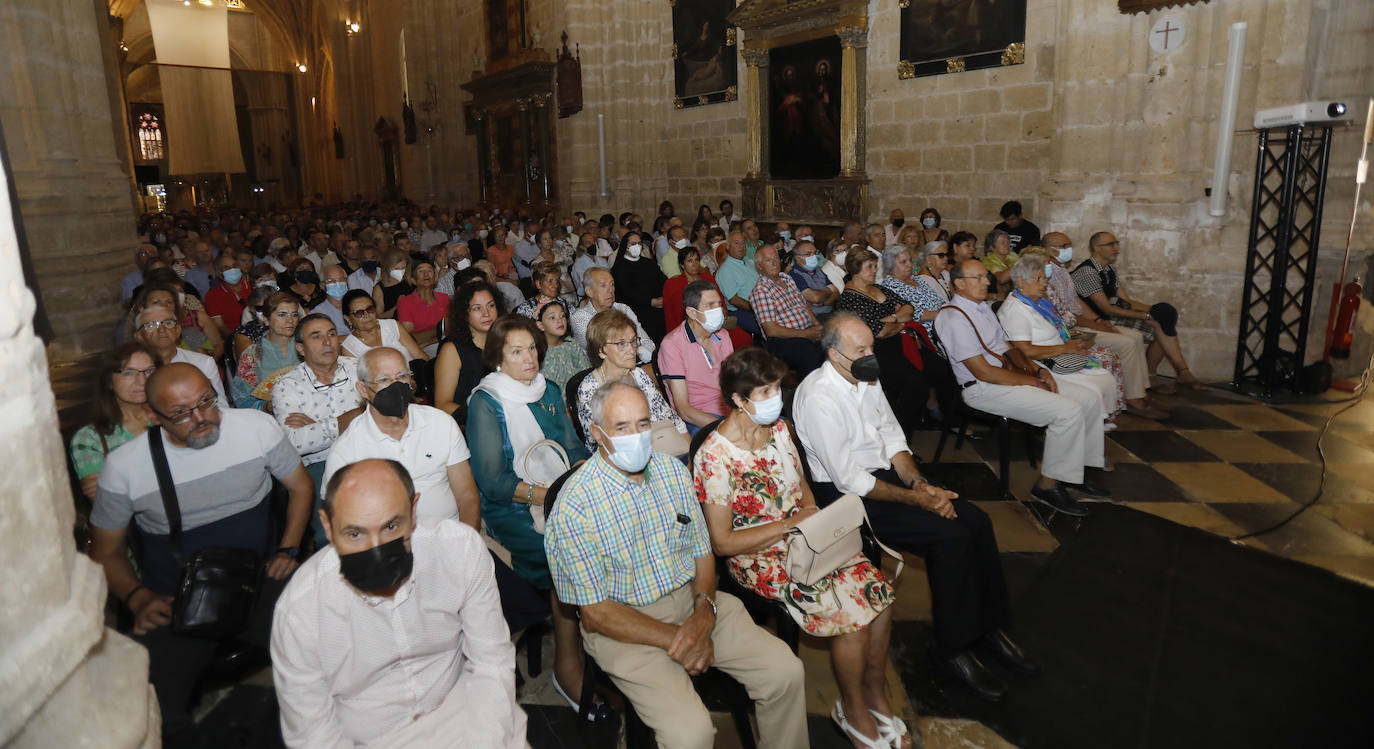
(1033, 325)
(369, 332)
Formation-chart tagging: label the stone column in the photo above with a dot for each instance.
(851, 41)
(756, 99)
(72, 187)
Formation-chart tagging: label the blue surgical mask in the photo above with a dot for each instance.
(632, 451)
(811, 262)
(336, 289)
(1065, 255)
(1049, 270)
(712, 319)
(928, 222)
(232, 275)
(786, 235)
(767, 410)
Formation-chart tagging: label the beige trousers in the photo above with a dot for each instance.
(662, 693)
(1128, 345)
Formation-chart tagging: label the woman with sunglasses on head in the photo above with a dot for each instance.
(120, 378)
(269, 355)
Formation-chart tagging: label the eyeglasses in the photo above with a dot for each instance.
(287, 315)
(152, 326)
(131, 373)
(628, 342)
(365, 311)
(384, 381)
(205, 405)
(944, 255)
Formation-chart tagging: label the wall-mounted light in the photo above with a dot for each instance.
(208, 3)
(312, 102)
(301, 67)
(352, 27)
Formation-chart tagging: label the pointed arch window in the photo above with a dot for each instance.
(150, 144)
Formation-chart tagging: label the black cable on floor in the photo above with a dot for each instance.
(1321, 455)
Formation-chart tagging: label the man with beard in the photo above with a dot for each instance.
(393, 589)
(222, 462)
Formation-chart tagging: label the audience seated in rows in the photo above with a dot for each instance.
(611, 345)
(601, 296)
(790, 328)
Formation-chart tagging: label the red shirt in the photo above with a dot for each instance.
(226, 302)
(674, 315)
(412, 309)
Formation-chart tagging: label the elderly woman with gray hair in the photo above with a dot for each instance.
(1034, 325)
(900, 278)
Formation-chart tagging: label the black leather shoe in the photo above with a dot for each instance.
(1089, 489)
(965, 668)
(1009, 653)
(1057, 499)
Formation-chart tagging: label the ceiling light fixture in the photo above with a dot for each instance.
(301, 67)
(353, 27)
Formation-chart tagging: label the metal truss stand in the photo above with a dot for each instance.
(1281, 259)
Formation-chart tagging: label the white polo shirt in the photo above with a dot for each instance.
(432, 442)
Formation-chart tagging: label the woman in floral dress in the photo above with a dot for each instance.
(748, 477)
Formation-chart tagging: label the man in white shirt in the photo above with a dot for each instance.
(855, 445)
(316, 400)
(393, 636)
(423, 439)
(727, 216)
(432, 235)
(318, 251)
(1071, 414)
(600, 288)
(895, 221)
(160, 329)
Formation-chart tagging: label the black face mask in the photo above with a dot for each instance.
(897, 223)
(307, 276)
(378, 568)
(371, 266)
(393, 400)
(864, 368)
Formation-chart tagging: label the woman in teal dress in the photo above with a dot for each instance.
(120, 376)
(274, 352)
(510, 411)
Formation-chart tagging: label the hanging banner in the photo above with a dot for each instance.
(192, 48)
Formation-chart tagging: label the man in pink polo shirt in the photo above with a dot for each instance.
(690, 356)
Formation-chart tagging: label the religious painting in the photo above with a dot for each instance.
(951, 36)
(804, 110)
(704, 53)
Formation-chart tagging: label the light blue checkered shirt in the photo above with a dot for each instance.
(611, 538)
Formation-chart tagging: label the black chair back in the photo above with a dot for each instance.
(698, 440)
(551, 493)
(570, 398)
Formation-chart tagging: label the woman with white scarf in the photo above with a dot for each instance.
(513, 414)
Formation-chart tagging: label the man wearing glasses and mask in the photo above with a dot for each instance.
(392, 636)
(221, 462)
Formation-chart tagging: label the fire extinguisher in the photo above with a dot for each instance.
(1345, 321)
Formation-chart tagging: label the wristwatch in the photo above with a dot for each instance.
(291, 551)
(917, 482)
(708, 600)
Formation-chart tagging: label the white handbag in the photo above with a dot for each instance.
(668, 440)
(827, 540)
(537, 511)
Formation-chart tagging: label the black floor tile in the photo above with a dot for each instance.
(1297, 481)
(1214, 397)
(968, 480)
(1137, 482)
(1162, 446)
(1309, 532)
(552, 727)
(1336, 448)
(1192, 417)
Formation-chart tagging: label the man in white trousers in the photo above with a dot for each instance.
(1071, 415)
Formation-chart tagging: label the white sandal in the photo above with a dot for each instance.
(890, 727)
(837, 715)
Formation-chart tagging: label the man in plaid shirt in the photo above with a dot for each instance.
(790, 327)
(627, 542)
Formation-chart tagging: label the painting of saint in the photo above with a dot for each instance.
(804, 110)
(704, 64)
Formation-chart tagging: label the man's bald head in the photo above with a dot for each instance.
(1056, 240)
(375, 483)
(173, 379)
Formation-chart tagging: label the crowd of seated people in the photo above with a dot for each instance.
(427, 378)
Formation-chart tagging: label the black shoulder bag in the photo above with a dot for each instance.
(218, 584)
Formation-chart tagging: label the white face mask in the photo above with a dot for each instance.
(398, 274)
(1065, 255)
(482, 233)
(405, 225)
(462, 264)
(632, 451)
(767, 410)
(632, 252)
(681, 243)
(712, 319)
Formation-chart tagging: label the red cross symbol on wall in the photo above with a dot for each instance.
(1166, 30)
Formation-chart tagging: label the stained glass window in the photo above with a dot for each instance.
(150, 137)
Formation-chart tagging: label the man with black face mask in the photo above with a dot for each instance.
(855, 445)
(423, 439)
(392, 636)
